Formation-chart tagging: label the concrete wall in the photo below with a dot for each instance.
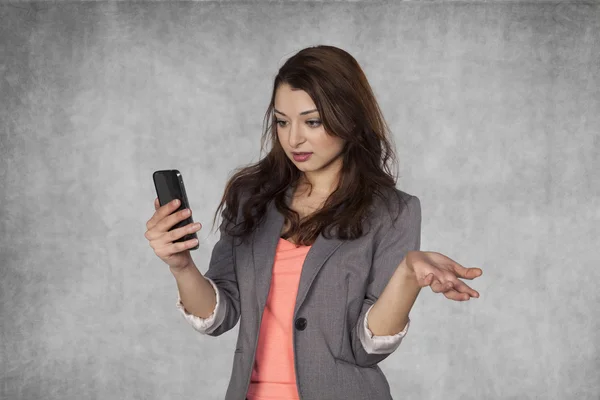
(495, 110)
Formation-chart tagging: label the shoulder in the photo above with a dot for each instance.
(394, 208)
(394, 202)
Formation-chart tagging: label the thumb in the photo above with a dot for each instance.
(427, 280)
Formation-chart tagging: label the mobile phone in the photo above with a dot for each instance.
(169, 186)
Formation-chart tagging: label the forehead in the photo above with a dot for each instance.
(292, 100)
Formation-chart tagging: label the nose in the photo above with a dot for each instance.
(295, 136)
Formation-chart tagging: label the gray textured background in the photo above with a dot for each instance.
(495, 109)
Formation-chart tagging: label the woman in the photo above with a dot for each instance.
(318, 255)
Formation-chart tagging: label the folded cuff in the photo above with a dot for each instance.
(204, 325)
(380, 344)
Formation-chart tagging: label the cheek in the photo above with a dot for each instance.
(331, 145)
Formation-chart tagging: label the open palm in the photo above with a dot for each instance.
(441, 273)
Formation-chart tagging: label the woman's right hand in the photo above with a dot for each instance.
(175, 255)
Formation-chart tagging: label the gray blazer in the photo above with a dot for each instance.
(340, 280)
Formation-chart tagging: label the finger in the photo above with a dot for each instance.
(162, 232)
(425, 281)
(178, 247)
(171, 220)
(184, 230)
(458, 268)
(464, 288)
(161, 213)
(466, 273)
(439, 287)
(156, 204)
(454, 295)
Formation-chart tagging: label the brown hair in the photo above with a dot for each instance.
(348, 109)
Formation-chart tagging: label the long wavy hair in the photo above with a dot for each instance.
(348, 109)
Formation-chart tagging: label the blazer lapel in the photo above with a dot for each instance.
(264, 247)
(320, 251)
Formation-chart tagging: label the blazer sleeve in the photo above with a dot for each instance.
(398, 238)
(221, 272)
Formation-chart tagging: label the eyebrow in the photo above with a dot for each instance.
(302, 113)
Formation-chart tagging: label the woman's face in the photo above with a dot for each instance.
(301, 133)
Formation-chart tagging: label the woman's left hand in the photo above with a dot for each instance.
(441, 273)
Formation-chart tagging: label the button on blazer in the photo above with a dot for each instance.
(340, 280)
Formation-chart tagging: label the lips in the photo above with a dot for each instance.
(299, 157)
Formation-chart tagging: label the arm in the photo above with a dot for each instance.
(195, 291)
(380, 344)
(399, 238)
(213, 299)
(390, 312)
(205, 325)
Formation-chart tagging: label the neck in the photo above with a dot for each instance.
(322, 182)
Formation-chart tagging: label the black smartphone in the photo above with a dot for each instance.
(169, 186)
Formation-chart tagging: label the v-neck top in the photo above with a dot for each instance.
(273, 373)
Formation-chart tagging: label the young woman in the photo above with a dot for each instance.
(318, 256)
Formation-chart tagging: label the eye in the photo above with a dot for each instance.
(315, 123)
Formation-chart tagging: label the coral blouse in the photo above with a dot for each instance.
(273, 374)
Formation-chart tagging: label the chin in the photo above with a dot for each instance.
(302, 166)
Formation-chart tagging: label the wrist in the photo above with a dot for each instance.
(184, 268)
(406, 272)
